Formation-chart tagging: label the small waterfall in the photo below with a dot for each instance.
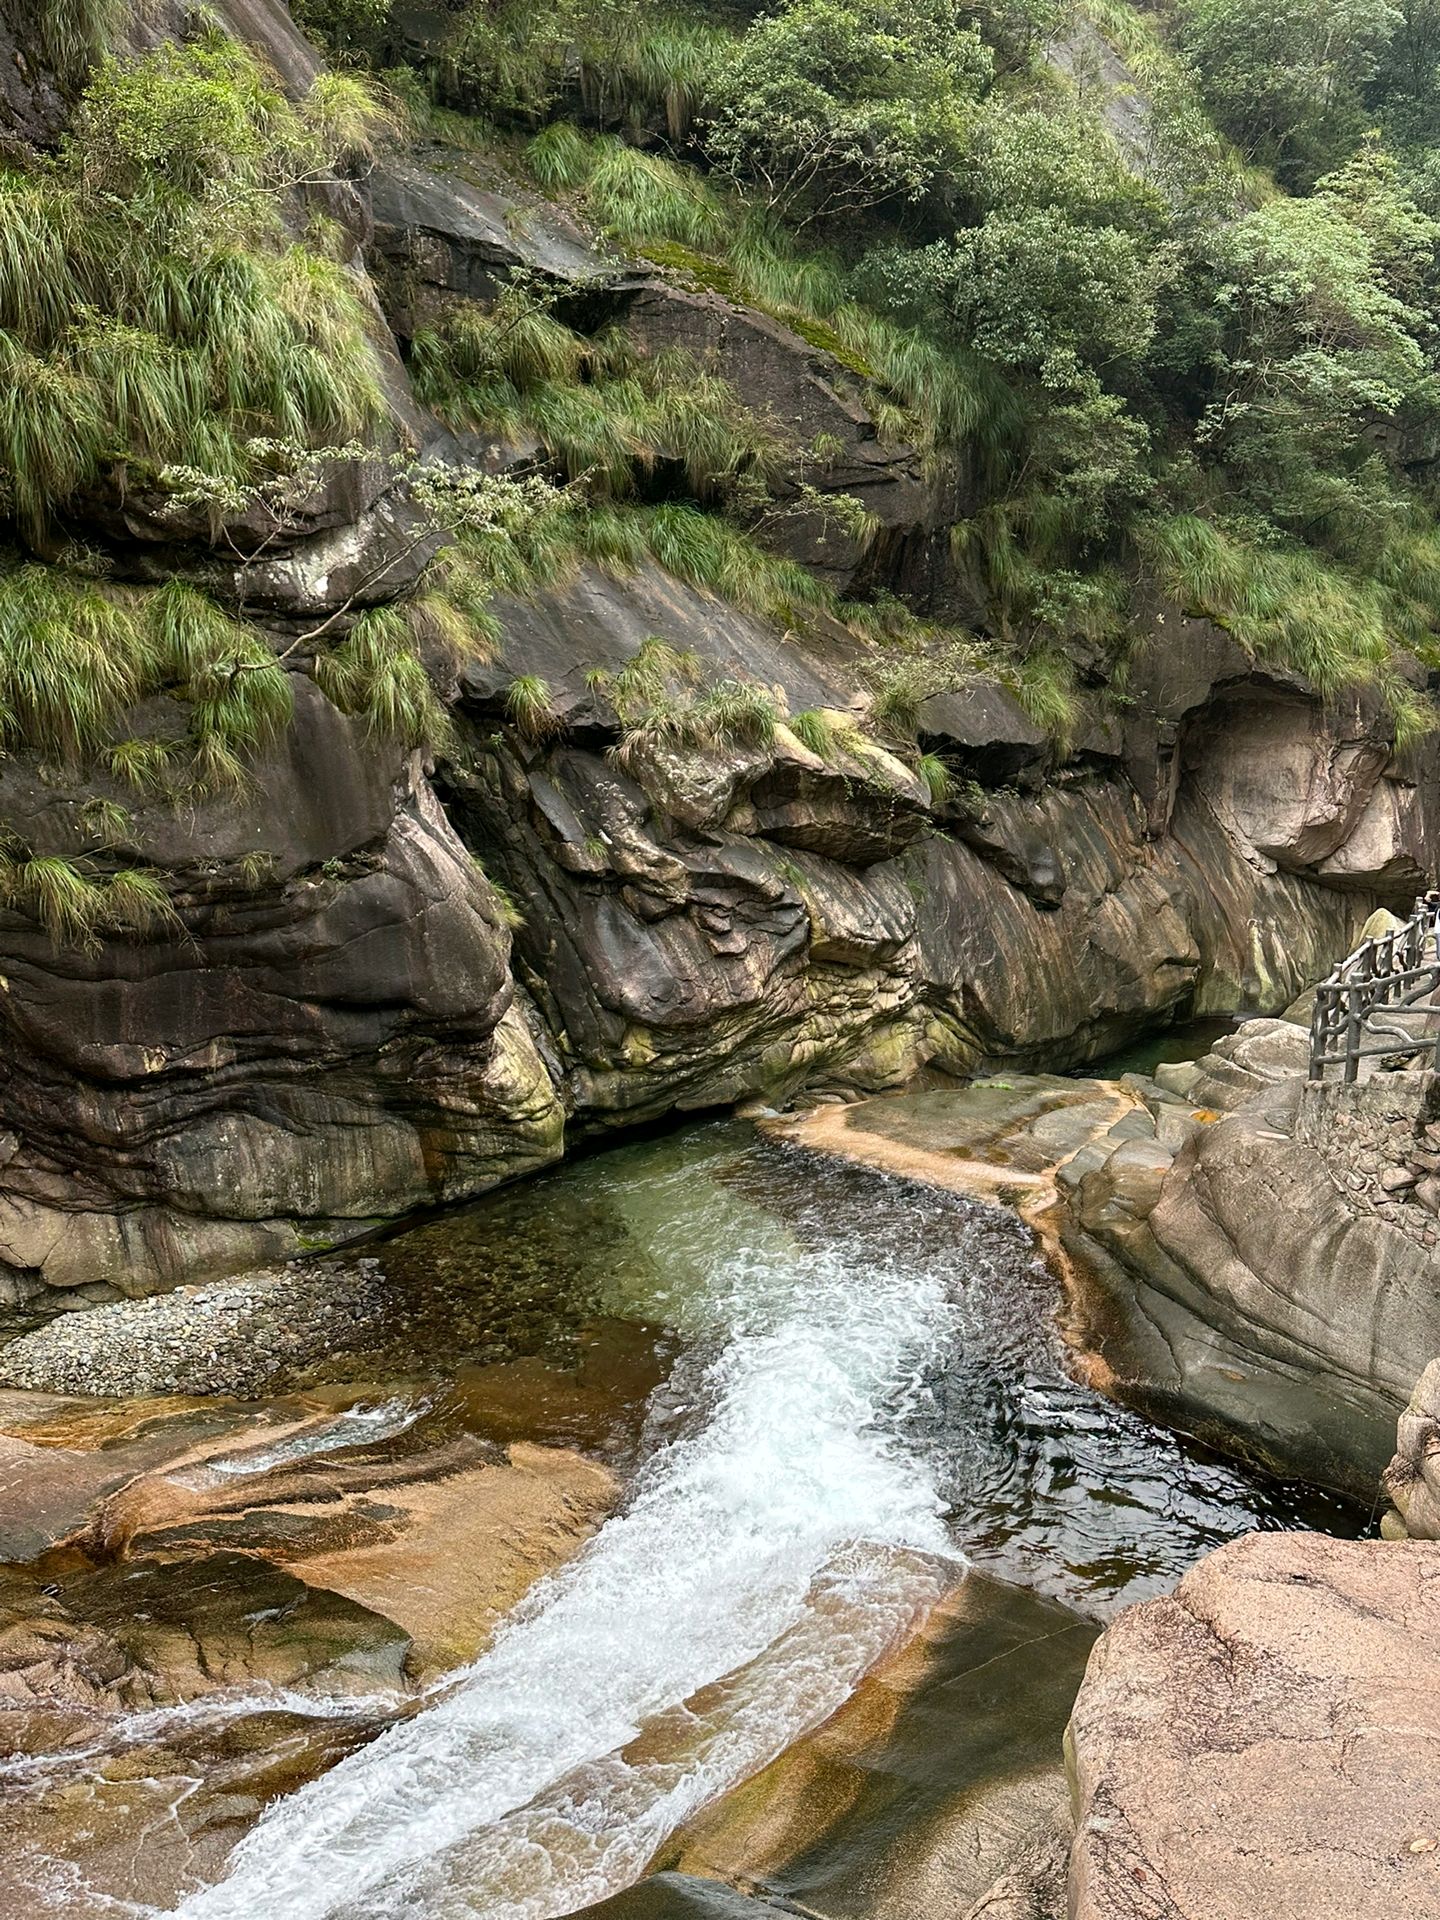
(783, 1535)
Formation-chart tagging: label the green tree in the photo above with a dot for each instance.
(1325, 322)
(1286, 78)
(835, 106)
(1033, 287)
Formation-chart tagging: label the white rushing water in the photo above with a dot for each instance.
(780, 1541)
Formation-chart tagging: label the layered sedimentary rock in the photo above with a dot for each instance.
(342, 1030)
(330, 1036)
(1255, 1263)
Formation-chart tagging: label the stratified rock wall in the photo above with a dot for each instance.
(341, 1031)
(1242, 1271)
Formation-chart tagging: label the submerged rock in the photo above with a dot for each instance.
(939, 1784)
(1263, 1742)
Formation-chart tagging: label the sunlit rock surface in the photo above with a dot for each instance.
(1263, 1741)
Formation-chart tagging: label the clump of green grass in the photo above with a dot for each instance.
(72, 32)
(815, 730)
(153, 304)
(730, 712)
(706, 551)
(1282, 603)
(1043, 681)
(635, 196)
(75, 657)
(899, 690)
(605, 414)
(77, 906)
(377, 675)
(937, 777)
(530, 707)
(652, 674)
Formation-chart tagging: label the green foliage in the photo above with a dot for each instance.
(376, 674)
(75, 657)
(1043, 681)
(728, 713)
(1282, 603)
(72, 32)
(1321, 335)
(1029, 287)
(631, 58)
(604, 415)
(708, 552)
(937, 777)
(814, 728)
(152, 306)
(1286, 78)
(899, 690)
(76, 905)
(530, 707)
(834, 106)
(636, 196)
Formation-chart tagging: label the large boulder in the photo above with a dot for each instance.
(813, 394)
(1263, 1741)
(450, 225)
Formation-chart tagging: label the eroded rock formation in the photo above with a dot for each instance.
(344, 1029)
(1241, 1267)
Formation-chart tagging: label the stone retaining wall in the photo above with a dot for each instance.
(1381, 1141)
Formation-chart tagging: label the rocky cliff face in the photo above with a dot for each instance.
(343, 1027)
(1254, 1256)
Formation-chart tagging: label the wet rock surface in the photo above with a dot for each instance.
(940, 1778)
(1231, 1277)
(1221, 1274)
(1262, 1741)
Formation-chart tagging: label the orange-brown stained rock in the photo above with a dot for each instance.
(1265, 1744)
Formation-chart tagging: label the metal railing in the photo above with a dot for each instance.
(1397, 976)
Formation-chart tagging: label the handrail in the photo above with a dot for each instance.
(1397, 974)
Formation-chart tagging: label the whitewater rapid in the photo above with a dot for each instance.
(783, 1534)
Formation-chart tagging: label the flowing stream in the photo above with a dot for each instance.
(864, 1396)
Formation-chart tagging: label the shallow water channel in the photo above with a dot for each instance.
(817, 1397)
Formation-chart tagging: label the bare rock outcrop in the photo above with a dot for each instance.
(331, 1038)
(1412, 1479)
(1262, 1742)
(1247, 1273)
(340, 1028)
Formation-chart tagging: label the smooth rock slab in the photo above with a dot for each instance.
(1265, 1742)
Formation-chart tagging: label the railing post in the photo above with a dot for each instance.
(1352, 1032)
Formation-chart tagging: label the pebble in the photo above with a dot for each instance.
(241, 1336)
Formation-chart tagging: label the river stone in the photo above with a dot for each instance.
(1263, 1742)
(135, 1635)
